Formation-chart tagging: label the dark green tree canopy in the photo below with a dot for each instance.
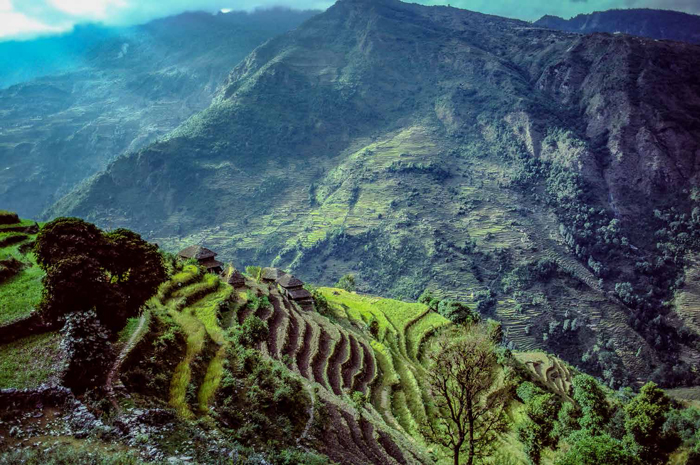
(113, 273)
(591, 398)
(646, 415)
(587, 449)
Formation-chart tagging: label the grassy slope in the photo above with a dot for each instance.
(21, 294)
(29, 362)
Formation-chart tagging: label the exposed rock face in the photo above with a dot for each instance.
(394, 139)
(656, 24)
(122, 92)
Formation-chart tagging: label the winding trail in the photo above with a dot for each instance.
(109, 384)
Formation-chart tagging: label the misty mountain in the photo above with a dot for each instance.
(656, 24)
(532, 172)
(114, 90)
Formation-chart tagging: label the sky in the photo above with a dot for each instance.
(23, 19)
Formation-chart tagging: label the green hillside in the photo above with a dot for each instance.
(247, 369)
(20, 292)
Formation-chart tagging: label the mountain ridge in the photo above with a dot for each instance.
(131, 87)
(645, 22)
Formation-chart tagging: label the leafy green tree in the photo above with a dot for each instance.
(568, 419)
(74, 283)
(463, 381)
(347, 283)
(599, 449)
(591, 399)
(683, 423)
(86, 269)
(136, 270)
(536, 431)
(65, 238)
(646, 415)
(457, 312)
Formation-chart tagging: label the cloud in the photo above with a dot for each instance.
(96, 9)
(27, 18)
(24, 18)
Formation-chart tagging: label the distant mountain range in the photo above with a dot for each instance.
(98, 93)
(656, 24)
(516, 168)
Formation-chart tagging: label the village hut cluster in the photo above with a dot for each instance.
(290, 286)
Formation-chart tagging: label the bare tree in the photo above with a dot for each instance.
(467, 391)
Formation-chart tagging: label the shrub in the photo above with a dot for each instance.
(251, 332)
(347, 283)
(65, 454)
(486, 301)
(457, 312)
(261, 400)
(590, 449)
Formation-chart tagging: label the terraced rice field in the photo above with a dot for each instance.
(192, 298)
(20, 294)
(336, 357)
(551, 371)
(391, 370)
(690, 396)
(342, 357)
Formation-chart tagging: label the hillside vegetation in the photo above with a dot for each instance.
(206, 369)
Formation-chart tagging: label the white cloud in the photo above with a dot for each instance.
(18, 25)
(95, 9)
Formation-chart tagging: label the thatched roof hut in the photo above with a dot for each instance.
(289, 282)
(197, 252)
(204, 256)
